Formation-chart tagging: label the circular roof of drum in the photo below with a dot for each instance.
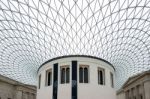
(76, 56)
(33, 31)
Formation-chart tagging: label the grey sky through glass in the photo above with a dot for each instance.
(33, 31)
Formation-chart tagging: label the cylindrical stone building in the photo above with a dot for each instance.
(76, 77)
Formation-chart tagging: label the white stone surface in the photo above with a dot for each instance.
(90, 90)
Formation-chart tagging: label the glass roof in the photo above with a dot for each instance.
(33, 31)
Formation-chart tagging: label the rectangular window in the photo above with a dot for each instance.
(49, 77)
(112, 80)
(101, 76)
(39, 81)
(65, 74)
(83, 74)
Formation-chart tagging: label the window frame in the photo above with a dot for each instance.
(83, 72)
(112, 79)
(65, 74)
(46, 77)
(99, 76)
(39, 83)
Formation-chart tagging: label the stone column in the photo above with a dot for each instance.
(30, 96)
(132, 94)
(126, 95)
(34, 96)
(25, 95)
(137, 92)
(147, 89)
(18, 94)
(143, 92)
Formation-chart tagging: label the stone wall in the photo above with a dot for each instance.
(6, 90)
(136, 87)
(10, 89)
(121, 94)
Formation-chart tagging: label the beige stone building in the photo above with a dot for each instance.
(136, 87)
(10, 89)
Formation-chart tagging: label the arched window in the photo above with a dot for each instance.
(48, 77)
(39, 81)
(101, 76)
(83, 74)
(112, 80)
(62, 75)
(65, 74)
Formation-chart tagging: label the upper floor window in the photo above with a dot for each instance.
(112, 80)
(65, 74)
(83, 74)
(48, 77)
(101, 76)
(39, 81)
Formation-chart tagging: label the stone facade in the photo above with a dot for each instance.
(136, 87)
(10, 89)
(120, 94)
(76, 88)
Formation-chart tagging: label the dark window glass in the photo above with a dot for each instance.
(98, 77)
(48, 77)
(62, 75)
(39, 81)
(101, 76)
(81, 75)
(67, 75)
(112, 80)
(85, 75)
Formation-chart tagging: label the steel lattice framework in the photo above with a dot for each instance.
(33, 31)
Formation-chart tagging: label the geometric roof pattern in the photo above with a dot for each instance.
(34, 31)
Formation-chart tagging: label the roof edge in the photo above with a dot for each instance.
(66, 56)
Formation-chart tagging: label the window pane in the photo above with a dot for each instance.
(101, 77)
(67, 75)
(49, 79)
(39, 81)
(98, 77)
(62, 75)
(81, 75)
(112, 80)
(85, 75)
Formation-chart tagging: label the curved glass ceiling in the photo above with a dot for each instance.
(33, 31)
